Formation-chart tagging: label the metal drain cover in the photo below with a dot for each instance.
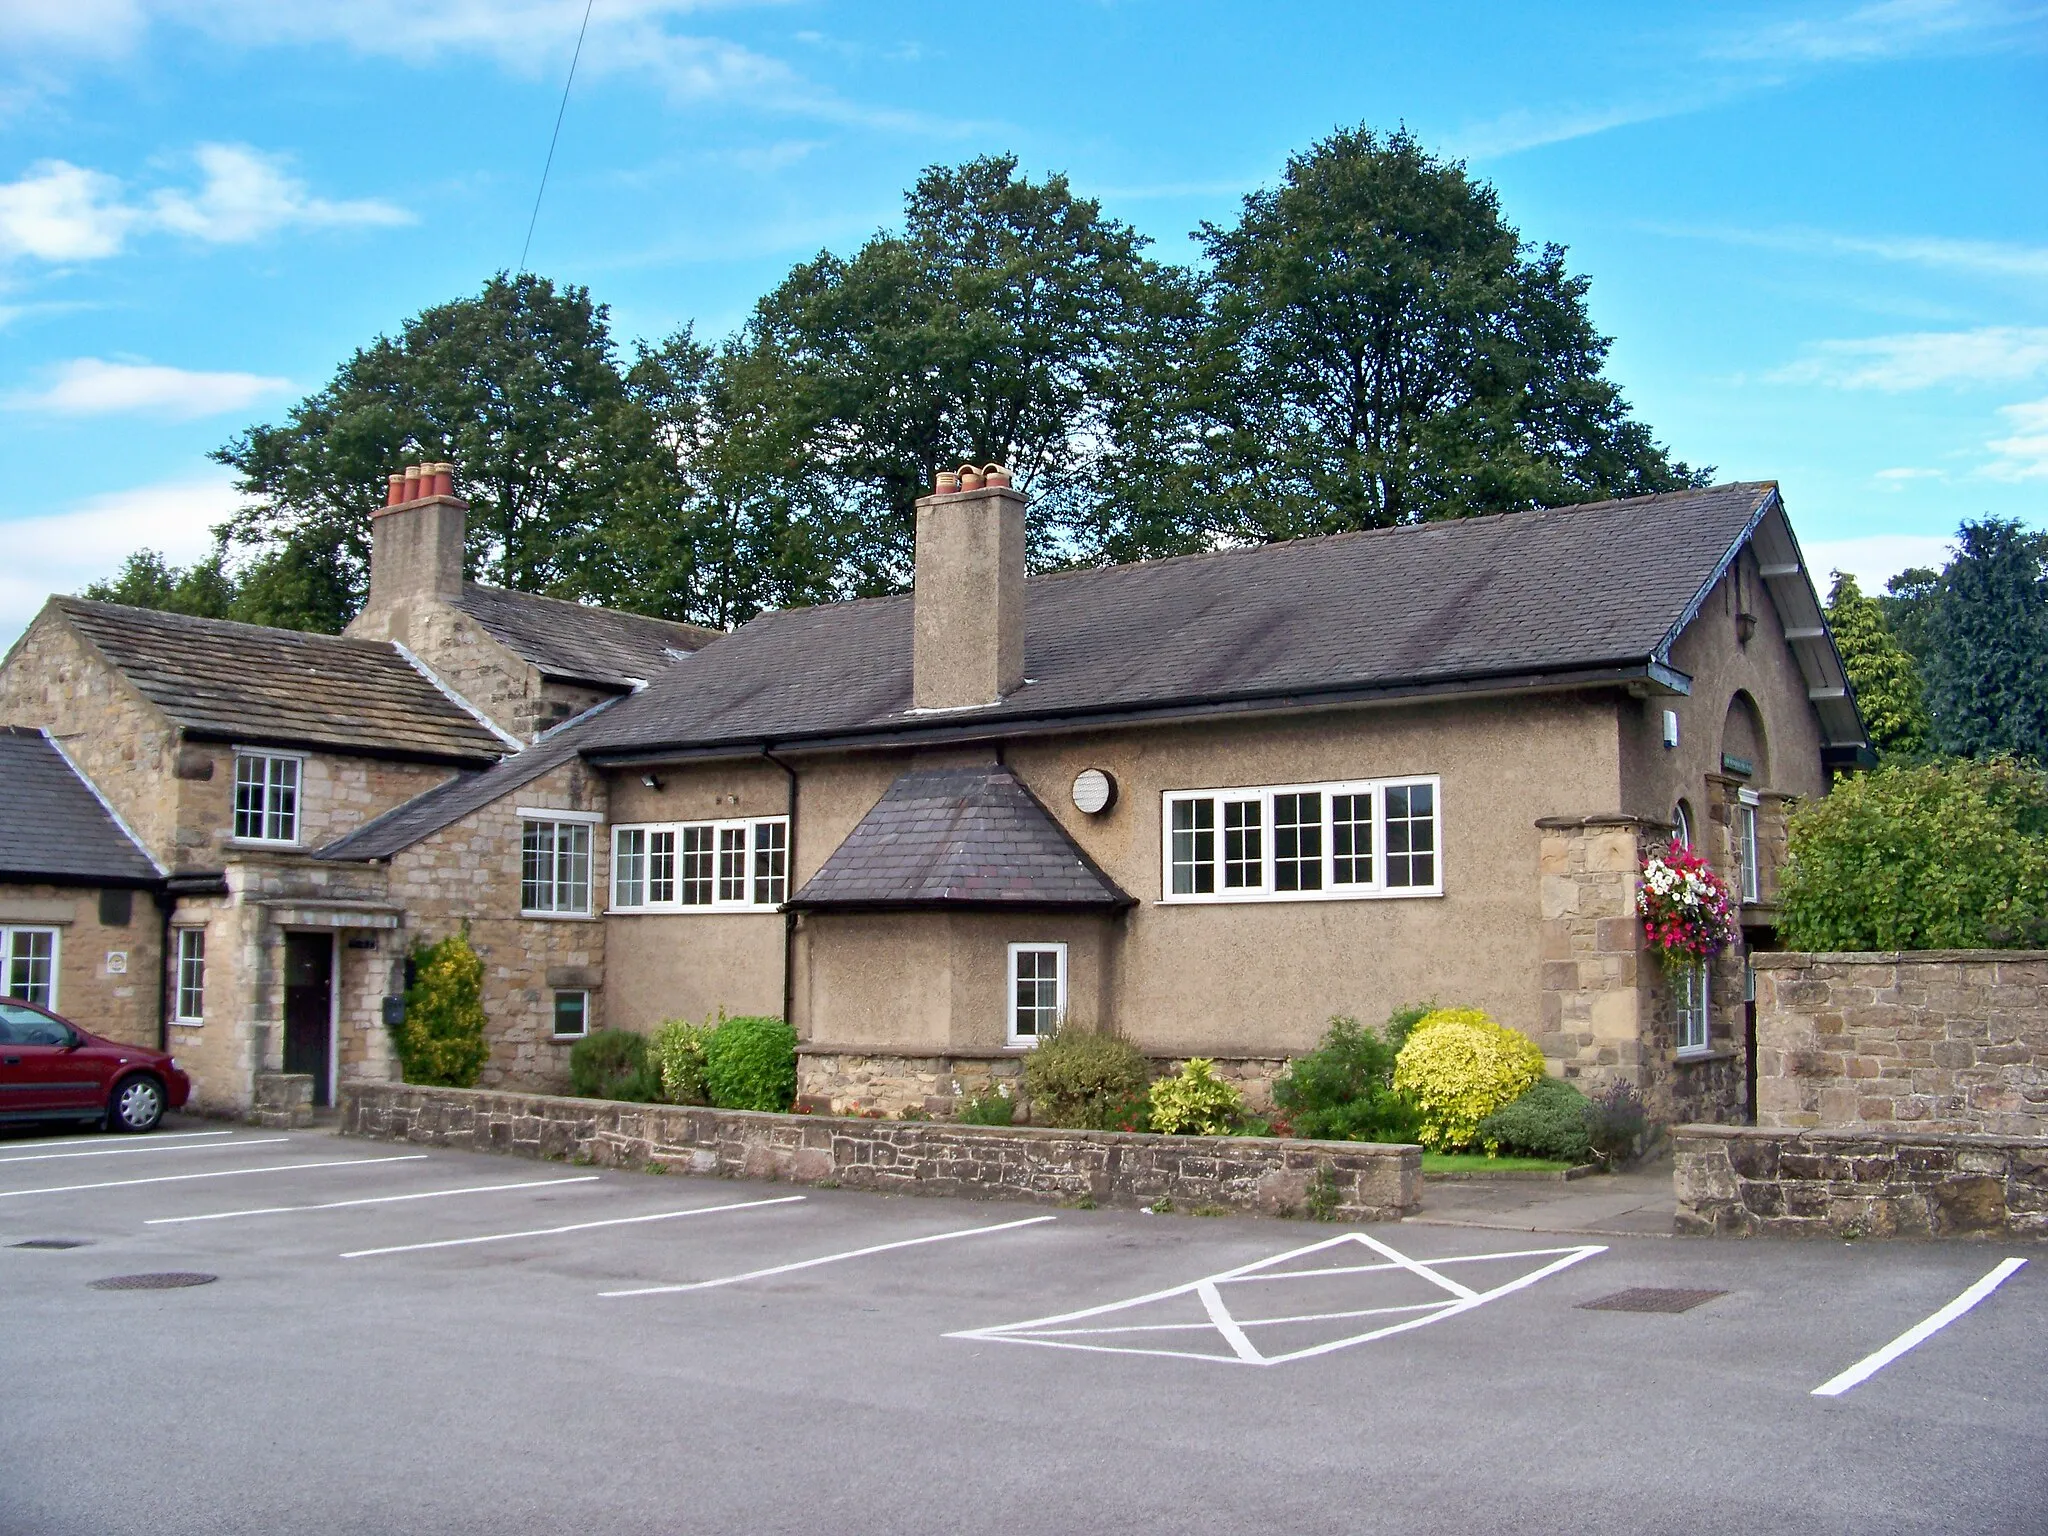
(1649, 1299)
(52, 1242)
(169, 1281)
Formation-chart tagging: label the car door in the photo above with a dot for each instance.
(41, 1070)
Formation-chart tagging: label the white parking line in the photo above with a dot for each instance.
(336, 1205)
(221, 1173)
(578, 1226)
(104, 1137)
(1919, 1333)
(204, 1146)
(830, 1258)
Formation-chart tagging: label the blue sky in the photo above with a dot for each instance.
(1817, 231)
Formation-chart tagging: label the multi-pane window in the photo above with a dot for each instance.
(28, 965)
(1038, 991)
(266, 798)
(191, 977)
(554, 868)
(572, 1014)
(1191, 850)
(1691, 988)
(1746, 851)
(701, 866)
(1304, 842)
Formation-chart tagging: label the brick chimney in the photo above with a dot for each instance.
(416, 538)
(968, 591)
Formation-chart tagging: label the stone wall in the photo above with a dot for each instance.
(107, 973)
(1741, 1181)
(845, 1081)
(1939, 1040)
(1367, 1182)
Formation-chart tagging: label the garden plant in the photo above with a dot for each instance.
(1460, 1066)
(440, 1042)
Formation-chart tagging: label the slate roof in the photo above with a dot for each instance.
(963, 837)
(53, 827)
(1521, 596)
(578, 643)
(223, 681)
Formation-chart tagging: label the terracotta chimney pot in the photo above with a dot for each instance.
(995, 475)
(970, 478)
(395, 492)
(412, 482)
(945, 483)
(444, 480)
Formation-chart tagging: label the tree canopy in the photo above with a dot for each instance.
(1886, 681)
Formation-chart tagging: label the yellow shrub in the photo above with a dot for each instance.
(1459, 1066)
(1196, 1102)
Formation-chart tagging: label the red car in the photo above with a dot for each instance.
(50, 1069)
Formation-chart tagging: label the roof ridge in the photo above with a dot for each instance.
(583, 607)
(93, 605)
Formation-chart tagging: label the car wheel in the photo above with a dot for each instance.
(137, 1105)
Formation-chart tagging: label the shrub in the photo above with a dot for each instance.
(1343, 1089)
(1547, 1121)
(991, 1106)
(1195, 1102)
(1459, 1066)
(1082, 1081)
(677, 1055)
(612, 1064)
(750, 1063)
(440, 1042)
(1948, 855)
(1614, 1123)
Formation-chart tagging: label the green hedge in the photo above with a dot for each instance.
(440, 1042)
(750, 1063)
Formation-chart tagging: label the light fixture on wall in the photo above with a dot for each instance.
(651, 780)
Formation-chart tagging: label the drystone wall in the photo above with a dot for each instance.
(834, 1080)
(1356, 1181)
(1938, 1040)
(1743, 1181)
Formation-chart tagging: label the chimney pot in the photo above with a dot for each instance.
(970, 478)
(945, 483)
(995, 475)
(444, 480)
(412, 482)
(394, 493)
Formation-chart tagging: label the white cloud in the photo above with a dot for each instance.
(2023, 455)
(96, 27)
(64, 212)
(1876, 558)
(1890, 29)
(1989, 258)
(87, 386)
(63, 551)
(1995, 354)
(1512, 132)
(1899, 479)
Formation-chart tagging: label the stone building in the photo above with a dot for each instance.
(1206, 802)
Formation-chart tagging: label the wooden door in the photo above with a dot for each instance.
(309, 1009)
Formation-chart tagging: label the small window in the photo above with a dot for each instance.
(1351, 839)
(554, 869)
(1411, 835)
(1692, 990)
(266, 798)
(1681, 824)
(1752, 866)
(629, 867)
(572, 1015)
(191, 978)
(1038, 991)
(1194, 847)
(1298, 842)
(661, 866)
(28, 965)
(732, 863)
(1244, 857)
(771, 862)
(696, 866)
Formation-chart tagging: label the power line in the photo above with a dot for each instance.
(560, 113)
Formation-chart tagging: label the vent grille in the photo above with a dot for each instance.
(1650, 1299)
(171, 1280)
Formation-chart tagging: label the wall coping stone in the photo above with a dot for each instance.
(1023, 1052)
(1603, 819)
(1792, 959)
(1833, 1134)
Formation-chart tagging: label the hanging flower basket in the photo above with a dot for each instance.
(1687, 914)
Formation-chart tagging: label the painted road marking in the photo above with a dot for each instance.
(1919, 1333)
(1212, 1292)
(336, 1205)
(830, 1258)
(104, 1137)
(204, 1146)
(220, 1173)
(579, 1226)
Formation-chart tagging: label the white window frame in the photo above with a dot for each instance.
(267, 757)
(10, 936)
(1692, 996)
(1058, 950)
(1748, 849)
(555, 1012)
(557, 909)
(714, 857)
(188, 976)
(1374, 889)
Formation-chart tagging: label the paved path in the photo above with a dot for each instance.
(1638, 1203)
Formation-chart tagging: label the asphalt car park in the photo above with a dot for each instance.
(399, 1338)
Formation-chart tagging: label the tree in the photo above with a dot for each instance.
(1986, 644)
(517, 387)
(146, 580)
(994, 327)
(1389, 350)
(441, 1039)
(1886, 682)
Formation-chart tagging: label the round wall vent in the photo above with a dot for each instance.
(1094, 791)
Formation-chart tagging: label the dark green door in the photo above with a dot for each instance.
(309, 1009)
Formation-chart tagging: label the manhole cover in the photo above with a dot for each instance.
(1649, 1299)
(170, 1281)
(52, 1242)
